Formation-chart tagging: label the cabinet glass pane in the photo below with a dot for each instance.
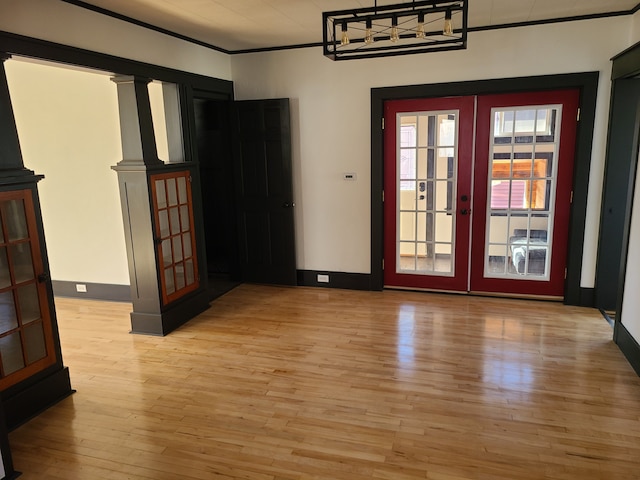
(8, 317)
(184, 217)
(22, 262)
(182, 190)
(11, 353)
(161, 194)
(34, 342)
(177, 249)
(174, 216)
(190, 274)
(172, 195)
(16, 220)
(5, 275)
(167, 259)
(168, 281)
(180, 282)
(163, 220)
(186, 243)
(28, 304)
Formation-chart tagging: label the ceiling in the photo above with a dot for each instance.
(254, 24)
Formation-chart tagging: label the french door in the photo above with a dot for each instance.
(427, 184)
(478, 192)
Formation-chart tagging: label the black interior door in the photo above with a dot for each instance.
(622, 152)
(264, 191)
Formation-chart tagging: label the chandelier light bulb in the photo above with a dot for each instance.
(345, 35)
(368, 34)
(394, 37)
(420, 28)
(448, 24)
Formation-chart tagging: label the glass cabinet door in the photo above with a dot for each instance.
(173, 215)
(26, 339)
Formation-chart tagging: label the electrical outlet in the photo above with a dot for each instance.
(81, 288)
(323, 278)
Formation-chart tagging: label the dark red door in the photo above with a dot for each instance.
(428, 158)
(522, 192)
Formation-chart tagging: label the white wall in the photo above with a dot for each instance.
(60, 22)
(331, 120)
(630, 315)
(69, 131)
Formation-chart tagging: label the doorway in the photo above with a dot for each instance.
(244, 153)
(213, 142)
(478, 192)
(622, 153)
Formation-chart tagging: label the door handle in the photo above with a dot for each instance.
(288, 205)
(464, 211)
(43, 277)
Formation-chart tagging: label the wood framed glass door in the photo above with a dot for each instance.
(507, 234)
(176, 244)
(26, 336)
(428, 157)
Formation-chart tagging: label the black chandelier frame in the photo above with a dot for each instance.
(405, 16)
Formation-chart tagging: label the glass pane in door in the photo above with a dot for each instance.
(426, 166)
(521, 187)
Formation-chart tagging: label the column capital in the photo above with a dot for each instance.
(136, 123)
(123, 79)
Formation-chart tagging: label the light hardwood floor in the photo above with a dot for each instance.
(307, 383)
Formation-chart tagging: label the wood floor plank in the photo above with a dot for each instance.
(281, 383)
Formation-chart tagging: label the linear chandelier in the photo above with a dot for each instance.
(402, 29)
